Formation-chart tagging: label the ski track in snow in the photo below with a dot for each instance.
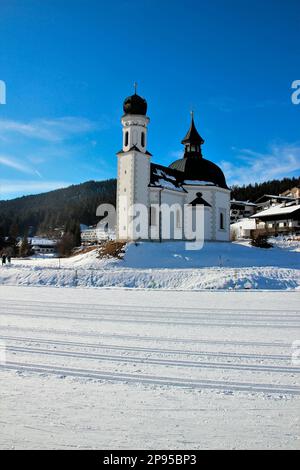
(236, 344)
(154, 380)
(114, 316)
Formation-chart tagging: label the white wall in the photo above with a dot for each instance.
(170, 198)
(132, 188)
(222, 204)
(167, 198)
(124, 193)
(134, 125)
(219, 199)
(243, 227)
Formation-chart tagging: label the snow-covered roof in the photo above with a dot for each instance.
(246, 223)
(277, 210)
(170, 178)
(36, 241)
(165, 177)
(243, 203)
(267, 197)
(88, 230)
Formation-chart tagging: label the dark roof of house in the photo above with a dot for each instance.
(199, 201)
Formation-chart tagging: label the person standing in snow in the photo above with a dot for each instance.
(3, 260)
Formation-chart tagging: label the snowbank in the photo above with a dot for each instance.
(167, 266)
(214, 254)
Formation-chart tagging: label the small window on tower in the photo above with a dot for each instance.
(126, 138)
(221, 220)
(143, 139)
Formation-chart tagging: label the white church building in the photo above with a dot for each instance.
(190, 182)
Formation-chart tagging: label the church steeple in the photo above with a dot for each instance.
(135, 123)
(192, 141)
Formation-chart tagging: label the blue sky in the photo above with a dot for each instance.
(68, 65)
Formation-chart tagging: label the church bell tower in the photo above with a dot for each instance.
(133, 165)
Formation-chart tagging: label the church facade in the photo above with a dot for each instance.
(189, 182)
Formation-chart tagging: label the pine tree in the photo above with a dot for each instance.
(25, 247)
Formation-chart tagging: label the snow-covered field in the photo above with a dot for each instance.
(167, 266)
(116, 368)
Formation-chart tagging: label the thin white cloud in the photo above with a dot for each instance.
(29, 187)
(50, 130)
(254, 167)
(11, 162)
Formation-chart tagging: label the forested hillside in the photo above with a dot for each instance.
(44, 212)
(252, 192)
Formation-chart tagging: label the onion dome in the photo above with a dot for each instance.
(135, 104)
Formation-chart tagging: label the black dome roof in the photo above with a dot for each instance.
(135, 104)
(200, 169)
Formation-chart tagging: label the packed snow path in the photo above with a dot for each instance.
(194, 357)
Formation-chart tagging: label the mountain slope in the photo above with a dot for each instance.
(56, 208)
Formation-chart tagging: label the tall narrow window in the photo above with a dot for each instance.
(221, 221)
(143, 139)
(126, 138)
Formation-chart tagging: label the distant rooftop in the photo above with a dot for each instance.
(266, 197)
(243, 203)
(277, 210)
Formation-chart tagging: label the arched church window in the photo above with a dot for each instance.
(143, 139)
(126, 138)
